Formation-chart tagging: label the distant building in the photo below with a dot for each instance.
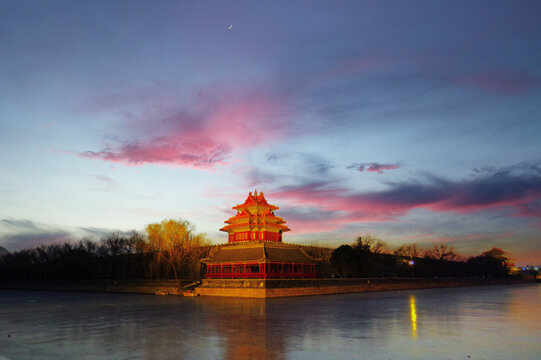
(501, 255)
(255, 248)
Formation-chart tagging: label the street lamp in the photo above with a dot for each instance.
(411, 263)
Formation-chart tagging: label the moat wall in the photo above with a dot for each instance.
(257, 288)
(304, 287)
(169, 287)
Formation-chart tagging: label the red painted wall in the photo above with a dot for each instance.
(261, 271)
(255, 235)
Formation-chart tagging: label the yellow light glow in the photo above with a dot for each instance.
(413, 312)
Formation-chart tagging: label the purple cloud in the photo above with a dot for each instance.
(516, 187)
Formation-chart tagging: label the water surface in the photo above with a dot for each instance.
(493, 322)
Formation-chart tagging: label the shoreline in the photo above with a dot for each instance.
(150, 287)
(272, 288)
(257, 288)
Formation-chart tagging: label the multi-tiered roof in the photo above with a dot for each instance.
(255, 248)
(255, 220)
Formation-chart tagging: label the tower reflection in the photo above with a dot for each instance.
(245, 330)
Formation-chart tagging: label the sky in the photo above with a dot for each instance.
(410, 121)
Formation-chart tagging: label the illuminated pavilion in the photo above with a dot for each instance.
(255, 248)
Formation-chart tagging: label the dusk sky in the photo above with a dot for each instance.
(411, 121)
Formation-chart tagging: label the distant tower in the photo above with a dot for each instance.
(255, 220)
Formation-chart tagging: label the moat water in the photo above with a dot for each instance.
(493, 322)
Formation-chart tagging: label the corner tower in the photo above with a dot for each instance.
(255, 221)
(255, 249)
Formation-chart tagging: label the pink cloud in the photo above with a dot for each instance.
(214, 128)
(205, 127)
(201, 153)
(333, 208)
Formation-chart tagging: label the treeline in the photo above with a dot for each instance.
(370, 257)
(173, 250)
(168, 250)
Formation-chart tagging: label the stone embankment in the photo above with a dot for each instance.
(159, 287)
(256, 288)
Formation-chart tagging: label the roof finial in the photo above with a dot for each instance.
(255, 192)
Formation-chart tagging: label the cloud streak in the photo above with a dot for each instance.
(372, 167)
(201, 153)
(19, 234)
(517, 188)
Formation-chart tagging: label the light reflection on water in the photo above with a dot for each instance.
(500, 322)
(413, 311)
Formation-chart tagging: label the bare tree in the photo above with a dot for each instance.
(371, 244)
(135, 243)
(112, 245)
(408, 250)
(442, 252)
(89, 246)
